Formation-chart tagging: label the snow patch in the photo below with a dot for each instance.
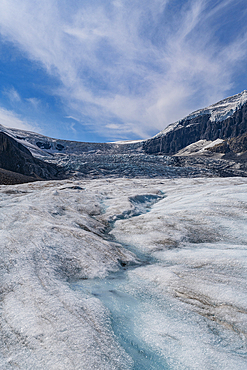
(198, 148)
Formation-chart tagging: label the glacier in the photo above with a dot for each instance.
(124, 273)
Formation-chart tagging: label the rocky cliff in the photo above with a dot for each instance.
(224, 120)
(18, 159)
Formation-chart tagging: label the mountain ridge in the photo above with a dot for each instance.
(18, 160)
(222, 120)
(197, 145)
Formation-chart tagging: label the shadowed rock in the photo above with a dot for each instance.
(234, 148)
(13, 178)
(16, 158)
(192, 129)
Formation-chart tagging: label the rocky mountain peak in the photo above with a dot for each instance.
(223, 120)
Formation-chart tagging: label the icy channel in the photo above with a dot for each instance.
(124, 274)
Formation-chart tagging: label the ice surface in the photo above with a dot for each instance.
(195, 304)
(48, 236)
(124, 274)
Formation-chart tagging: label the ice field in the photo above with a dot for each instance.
(124, 274)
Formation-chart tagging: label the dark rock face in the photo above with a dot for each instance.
(59, 147)
(16, 158)
(234, 148)
(236, 145)
(43, 145)
(13, 178)
(197, 128)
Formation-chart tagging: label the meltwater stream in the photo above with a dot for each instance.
(124, 309)
(123, 306)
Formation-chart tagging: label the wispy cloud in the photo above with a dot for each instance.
(35, 103)
(13, 95)
(128, 67)
(10, 119)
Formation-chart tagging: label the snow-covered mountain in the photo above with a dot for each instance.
(46, 147)
(199, 142)
(214, 124)
(223, 120)
(18, 159)
(218, 111)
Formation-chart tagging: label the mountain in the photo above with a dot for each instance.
(46, 147)
(223, 120)
(17, 164)
(207, 143)
(205, 127)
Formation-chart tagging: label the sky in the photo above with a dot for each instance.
(107, 70)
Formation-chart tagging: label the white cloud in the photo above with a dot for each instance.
(113, 126)
(124, 63)
(74, 118)
(10, 119)
(35, 103)
(13, 95)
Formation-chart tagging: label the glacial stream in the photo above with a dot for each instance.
(124, 307)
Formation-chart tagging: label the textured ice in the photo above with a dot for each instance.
(195, 308)
(124, 274)
(48, 236)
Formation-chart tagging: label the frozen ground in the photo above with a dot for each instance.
(124, 274)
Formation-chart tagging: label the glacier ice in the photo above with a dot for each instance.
(198, 235)
(124, 274)
(44, 244)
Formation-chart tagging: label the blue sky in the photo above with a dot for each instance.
(105, 70)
